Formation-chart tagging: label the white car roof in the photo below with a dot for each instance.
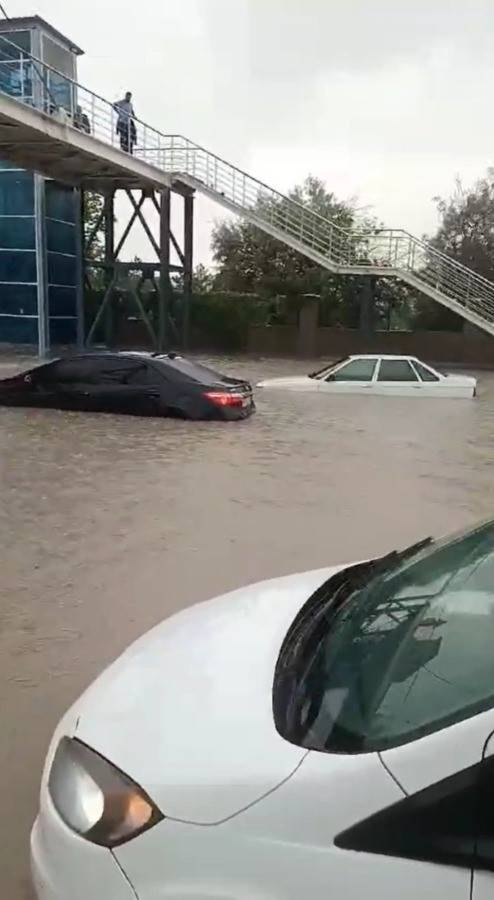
(379, 356)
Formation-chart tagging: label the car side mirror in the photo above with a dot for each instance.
(331, 378)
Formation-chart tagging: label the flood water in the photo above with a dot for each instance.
(109, 524)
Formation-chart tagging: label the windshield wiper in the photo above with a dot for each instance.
(375, 568)
(332, 595)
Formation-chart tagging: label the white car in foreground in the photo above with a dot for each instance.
(323, 735)
(389, 375)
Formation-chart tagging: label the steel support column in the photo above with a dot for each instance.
(164, 327)
(80, 273)
(188, 263)
(109, 219)
(164, 282)
(41, 273)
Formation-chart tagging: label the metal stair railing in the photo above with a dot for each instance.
(381, 251)
(378, 251)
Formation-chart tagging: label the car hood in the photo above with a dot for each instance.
(289, 381)
(186, 711)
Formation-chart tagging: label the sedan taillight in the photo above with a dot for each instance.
(224, 398)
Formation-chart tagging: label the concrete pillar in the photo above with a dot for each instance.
(308, 323)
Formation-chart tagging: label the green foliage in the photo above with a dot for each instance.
(94, 231)
(431, 316)
(93, 208)
(466, 233)
(221, 320)
(203, 282)
(250, 260)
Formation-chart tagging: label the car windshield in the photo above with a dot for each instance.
(320, 373)
(193, 371)
(405, 655)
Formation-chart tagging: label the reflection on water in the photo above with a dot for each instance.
(109, 524)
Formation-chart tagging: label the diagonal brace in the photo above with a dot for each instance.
(142, 220)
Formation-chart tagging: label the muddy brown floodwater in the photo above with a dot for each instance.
(109, 524)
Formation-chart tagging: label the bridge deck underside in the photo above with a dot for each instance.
(36, 141)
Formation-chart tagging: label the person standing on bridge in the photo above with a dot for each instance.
(126, 128)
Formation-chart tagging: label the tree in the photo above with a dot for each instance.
(465, 233)
(203, 280)
(94, 225)
(249, 260)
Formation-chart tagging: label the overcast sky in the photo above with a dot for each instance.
(388, 101)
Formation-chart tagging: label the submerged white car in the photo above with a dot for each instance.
(388, 375)
(323, 735)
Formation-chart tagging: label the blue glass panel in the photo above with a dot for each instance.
(18, 331)
(16, 78)
(18, 265)
(16, 193)
(19, 299)
(60, 202)
(63, 331)
(61, 269)
(62, 301)
(60, 91)
(60, 236)
(6, 164)
(17, 234)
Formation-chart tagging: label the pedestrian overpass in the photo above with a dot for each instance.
(40, 132)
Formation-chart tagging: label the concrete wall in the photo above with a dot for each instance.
(437, 346)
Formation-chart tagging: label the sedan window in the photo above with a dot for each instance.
(425, 373)
(407, 654)
(396, 370)
(145, 375)
(192, 371)
(61, 371)
(91, 370)
(355, 370)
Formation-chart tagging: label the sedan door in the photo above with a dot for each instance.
(145, 390)
(354, 377)
(87, 384)
(119, 385)
(397, 378)
(96, 383)
(52, 385)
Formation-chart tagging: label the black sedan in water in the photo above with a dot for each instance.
(147, 384)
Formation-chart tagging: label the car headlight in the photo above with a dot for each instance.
(95, 799)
